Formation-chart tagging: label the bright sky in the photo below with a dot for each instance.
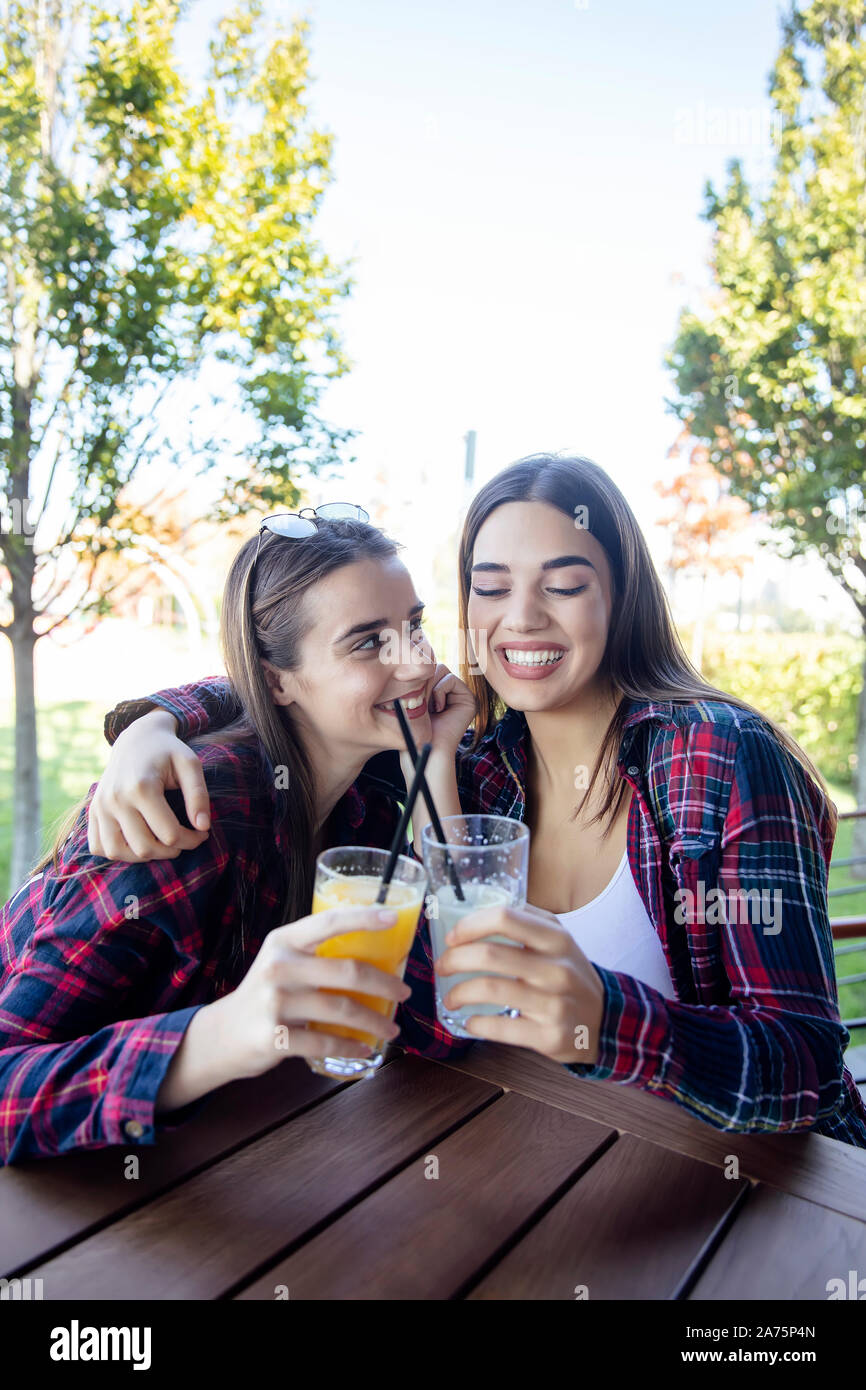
(521, 186)
(510, 178)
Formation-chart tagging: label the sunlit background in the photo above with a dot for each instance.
(519, 188)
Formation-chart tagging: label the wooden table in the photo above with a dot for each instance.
(498, 1176)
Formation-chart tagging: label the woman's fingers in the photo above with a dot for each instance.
(329, 972)
(334, 921)
(104, 837)
(443, 681)
(190, 779)
(448, 689)
(439, 695)
(533, 927)
(302, 1005)
(157, 832)
(138, 836)
(94, 838)
(141, 830)
(308, 987)
(491, 958)
(534, 1004)
(308, 1042)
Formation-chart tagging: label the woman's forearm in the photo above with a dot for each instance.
(204, 1060)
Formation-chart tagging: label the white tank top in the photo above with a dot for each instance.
(616, 932)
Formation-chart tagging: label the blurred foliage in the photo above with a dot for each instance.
(770, 370)
(154, 237)
(164, 300)
(807, 683)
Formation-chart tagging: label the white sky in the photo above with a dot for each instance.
(521, 186)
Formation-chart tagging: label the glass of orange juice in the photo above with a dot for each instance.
(349, 876)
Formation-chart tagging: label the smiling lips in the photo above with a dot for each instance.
(414, 704)
(530, 661)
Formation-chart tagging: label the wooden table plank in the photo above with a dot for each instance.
(783, 1247)
(634, 1226)
(807, 1165)
(46, 1203)
(225, 1224)
(422, 1236)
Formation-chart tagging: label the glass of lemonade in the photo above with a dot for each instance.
(491, 857)
(349, 876)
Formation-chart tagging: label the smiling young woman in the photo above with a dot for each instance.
(542, 592)
(129, 990)
(645, 789)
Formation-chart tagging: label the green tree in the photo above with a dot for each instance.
(771, 371)
(155, 237)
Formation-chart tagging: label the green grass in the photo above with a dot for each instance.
(72, 756)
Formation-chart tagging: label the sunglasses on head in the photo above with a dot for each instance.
(294, 526)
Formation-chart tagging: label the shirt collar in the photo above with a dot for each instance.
(354, 806)
(382, 773)
(349, 811)
(510, 732)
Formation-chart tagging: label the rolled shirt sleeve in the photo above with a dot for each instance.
(198, 707)
(93, 1091)
(87, 1031)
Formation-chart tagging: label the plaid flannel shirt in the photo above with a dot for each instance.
(104, 964)
(753, 1041)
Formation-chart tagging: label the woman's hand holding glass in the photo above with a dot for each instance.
(269, 1013)
(556, 988)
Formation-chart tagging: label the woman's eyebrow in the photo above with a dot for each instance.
(557, 564)
(374, 624)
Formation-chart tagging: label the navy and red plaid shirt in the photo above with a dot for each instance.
(104, 964)
(753, 1041)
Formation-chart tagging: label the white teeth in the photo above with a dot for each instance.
(414, 703)
(524, 658)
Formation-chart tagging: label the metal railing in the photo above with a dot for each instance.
(850, 930)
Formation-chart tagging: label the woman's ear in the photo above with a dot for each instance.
(280, 684)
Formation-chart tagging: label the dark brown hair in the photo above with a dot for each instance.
(272, 625)
(644, 658)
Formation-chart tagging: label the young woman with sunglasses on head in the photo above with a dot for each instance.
(128, 991)
(692, 873)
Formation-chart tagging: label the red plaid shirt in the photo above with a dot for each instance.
(104, 964)
(753, 1041)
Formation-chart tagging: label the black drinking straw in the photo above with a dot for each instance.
(433, 813)
(400, 832)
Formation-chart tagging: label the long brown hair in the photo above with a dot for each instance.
(644, 658)
(271, 622)
(264, 615)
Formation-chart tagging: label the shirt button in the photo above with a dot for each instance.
(134, 1128)
(632, 771)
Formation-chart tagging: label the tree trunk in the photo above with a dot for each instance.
(27, 818)
(859, 840)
